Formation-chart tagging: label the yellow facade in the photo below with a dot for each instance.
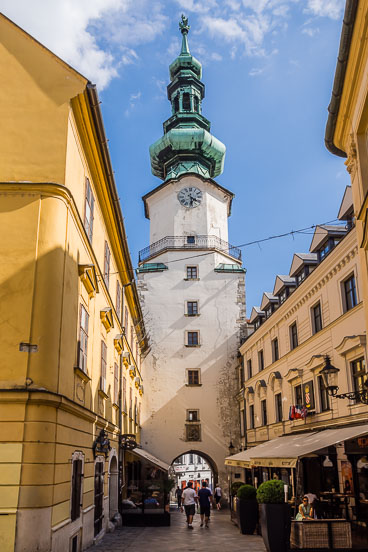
(59, 385)
(347, 128)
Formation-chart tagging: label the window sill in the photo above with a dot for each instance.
(103, 394)
(83, 375)
(115, 405)
(193, 385)
(192, 315)
(192, 346)
(191, 279)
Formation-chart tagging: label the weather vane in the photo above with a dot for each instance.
(183, 24)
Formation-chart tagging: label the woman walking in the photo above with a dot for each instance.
(218, 496)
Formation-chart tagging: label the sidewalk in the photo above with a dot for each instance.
(221, 536)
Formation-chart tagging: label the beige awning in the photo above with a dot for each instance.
(148, 456)
(284, 452)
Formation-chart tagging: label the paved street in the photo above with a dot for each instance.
(222, 535)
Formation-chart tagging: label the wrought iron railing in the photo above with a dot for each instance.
(189, 242)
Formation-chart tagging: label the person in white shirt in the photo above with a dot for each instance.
(218, 495)
(189, 499)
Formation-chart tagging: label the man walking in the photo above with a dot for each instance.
(189, 499)
(178, 494)
(205, 496)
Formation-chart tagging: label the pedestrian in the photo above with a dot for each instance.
(205, 496)
(178, 494)
(218, 495)
(189, 499)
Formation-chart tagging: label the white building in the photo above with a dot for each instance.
(191, 285)
(191, 467)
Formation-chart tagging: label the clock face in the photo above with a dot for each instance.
(190, 197)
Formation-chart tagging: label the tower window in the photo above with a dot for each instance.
(176, 104)
(186, 102)
(192, 272)
(192, 308)
(192, 339)
(196, 104)
(193, 377)
(192, 416)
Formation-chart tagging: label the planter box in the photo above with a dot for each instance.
(321, 533)
(247, 515)
(275, 525)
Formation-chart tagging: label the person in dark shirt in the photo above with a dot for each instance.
(178, 494)
(205, 496)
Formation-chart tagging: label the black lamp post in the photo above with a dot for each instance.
(328, 374)
(231, 448)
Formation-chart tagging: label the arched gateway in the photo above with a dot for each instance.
(191, 284)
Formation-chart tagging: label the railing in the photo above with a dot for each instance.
(189, 242)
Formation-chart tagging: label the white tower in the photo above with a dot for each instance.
(191, 286)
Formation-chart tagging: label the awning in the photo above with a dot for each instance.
(284, 452)
(148, 456)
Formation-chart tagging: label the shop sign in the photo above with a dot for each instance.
(308, 395)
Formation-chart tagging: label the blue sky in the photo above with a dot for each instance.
(268, 67)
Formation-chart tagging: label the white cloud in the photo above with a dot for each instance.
(216, 57)
(200, 6)
(255, 72)
(325, 8)
(133, 99)
(310, 31)
(75, 31)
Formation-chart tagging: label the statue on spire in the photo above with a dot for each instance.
(183, 24)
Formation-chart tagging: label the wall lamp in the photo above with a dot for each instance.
(328, 373)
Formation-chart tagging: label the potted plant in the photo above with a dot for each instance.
(275, 516)
(247, 509)
(235, 486)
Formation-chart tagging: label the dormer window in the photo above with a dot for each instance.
(301, 276)
(268, 311)
(324, 251)
(283, 296)
(257, 323)
(186, 102)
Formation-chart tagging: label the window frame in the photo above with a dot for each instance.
(118, 300)
(116, 383)
(192, 302)
(315, 327)
(193, 415)
(103, 366)
(296, 389)
(264, 411)
(107, 264)
(345, 292)
(75, 497)
(192, 371)
(275, 349)
(249, 368)
(189, 270)
(324, 399)
(83, 339)
(359, 375)
(89, 202)
(261, 363)
(251, 416)
(279, 415)
(294, 342)
(191, 333)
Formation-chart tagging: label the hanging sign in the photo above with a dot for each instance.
(308, 395)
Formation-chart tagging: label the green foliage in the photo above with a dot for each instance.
(271, 492)
(246, 492)
(235, 486)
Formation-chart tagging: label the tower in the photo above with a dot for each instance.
(191, 284)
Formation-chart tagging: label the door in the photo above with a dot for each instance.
(99, 480)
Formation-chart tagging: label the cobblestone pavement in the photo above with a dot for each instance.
(221, 536)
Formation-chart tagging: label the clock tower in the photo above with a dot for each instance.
(191, 285)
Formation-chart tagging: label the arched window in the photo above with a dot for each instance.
(176, 104)
(186, 102)
(196, 104)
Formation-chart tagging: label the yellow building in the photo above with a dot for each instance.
(291, 428)
(347, 125)
(71, 325)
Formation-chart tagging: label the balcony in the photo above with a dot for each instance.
(189, 242)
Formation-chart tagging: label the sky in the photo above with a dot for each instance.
(268, 67)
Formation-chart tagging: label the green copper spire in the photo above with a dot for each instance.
(187, 145)
(184, 27)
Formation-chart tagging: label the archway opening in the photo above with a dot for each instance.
(113, 487)
(194, 466)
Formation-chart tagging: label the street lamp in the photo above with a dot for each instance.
(328, 374)
(231, 448)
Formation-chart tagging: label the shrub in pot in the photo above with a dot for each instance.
(275, 516)
(247, 509)
(235, 486)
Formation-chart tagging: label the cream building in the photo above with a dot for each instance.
(313, 311)
(71, 326)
